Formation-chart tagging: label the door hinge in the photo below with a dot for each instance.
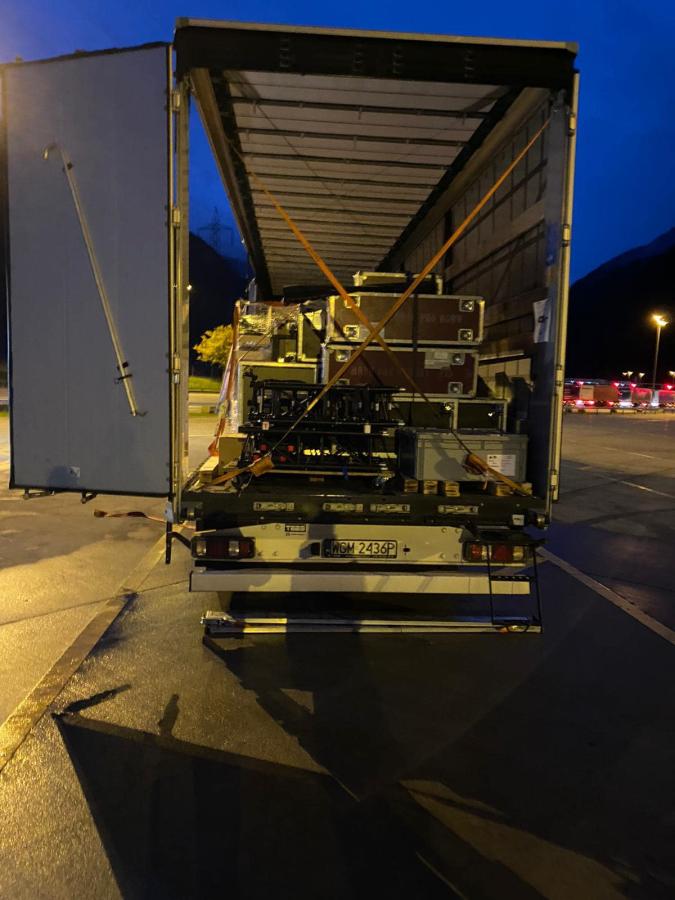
(566, 234)
(175, 101)
(175, 216)
(572, 124)
(554, 479)
(175, 370)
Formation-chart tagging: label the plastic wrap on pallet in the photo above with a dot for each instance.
(259, 322)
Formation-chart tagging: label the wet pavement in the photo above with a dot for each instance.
(362, 765)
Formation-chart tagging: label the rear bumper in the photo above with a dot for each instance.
(268, 579)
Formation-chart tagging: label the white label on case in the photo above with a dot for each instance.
(503, 462)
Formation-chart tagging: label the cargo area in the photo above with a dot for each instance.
(393, 398)
(379, 147)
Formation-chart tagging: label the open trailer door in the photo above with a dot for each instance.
(92, 272)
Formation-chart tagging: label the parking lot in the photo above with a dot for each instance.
(139, 762)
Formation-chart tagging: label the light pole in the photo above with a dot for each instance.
(660, 322)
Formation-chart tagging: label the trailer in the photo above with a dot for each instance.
(341, 152)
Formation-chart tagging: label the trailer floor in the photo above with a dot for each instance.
(348, 766)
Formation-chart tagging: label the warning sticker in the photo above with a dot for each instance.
(503, 462)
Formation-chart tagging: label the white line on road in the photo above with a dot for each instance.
(620, 451)
(638, 614)
(633, 484)
(441, 877)
(642, 487)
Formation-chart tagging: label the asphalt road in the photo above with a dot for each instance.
(340, 765)
(616, 515)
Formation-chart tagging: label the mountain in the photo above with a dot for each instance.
(610, 328)
(660, 244)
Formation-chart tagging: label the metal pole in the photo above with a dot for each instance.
(656, 354)
(122, 364)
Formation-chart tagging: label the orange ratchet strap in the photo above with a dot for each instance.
(349, 302)
(435, 259)
(374, 331)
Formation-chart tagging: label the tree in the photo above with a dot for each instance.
(214, 346)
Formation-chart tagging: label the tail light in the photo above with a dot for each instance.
(499, 553)
(213, 546)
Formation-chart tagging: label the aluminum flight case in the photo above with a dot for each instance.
(424, 319)
(451, 372)
(311, 330)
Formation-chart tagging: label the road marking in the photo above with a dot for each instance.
(642, 487)
(441, 877)
(18, 725)
(633, 484)
(631, 452)
(644, 618)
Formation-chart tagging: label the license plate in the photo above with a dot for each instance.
(360, 549)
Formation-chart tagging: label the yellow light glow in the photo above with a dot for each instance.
(661, 321)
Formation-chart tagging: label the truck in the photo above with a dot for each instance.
(341, 152)
(591, 393)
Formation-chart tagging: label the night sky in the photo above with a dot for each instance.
(625, 190)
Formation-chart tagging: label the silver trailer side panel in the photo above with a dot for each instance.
(516, 255)
(88, 156)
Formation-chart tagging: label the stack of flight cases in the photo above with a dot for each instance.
(434, 335)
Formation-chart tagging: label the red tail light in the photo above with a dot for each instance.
(499, 553)
(217, 546)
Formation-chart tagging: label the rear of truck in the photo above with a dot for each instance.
(378, 147)
(414, 464)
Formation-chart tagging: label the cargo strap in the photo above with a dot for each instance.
(323, 266)
(129, 514)
(454, 237)
(412, 287)
(375, 332)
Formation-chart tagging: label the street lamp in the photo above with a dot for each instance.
(660, 322)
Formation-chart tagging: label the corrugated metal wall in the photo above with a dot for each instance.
(502, 255)
(511, 256)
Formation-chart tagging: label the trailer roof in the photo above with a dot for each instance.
(352, 131)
